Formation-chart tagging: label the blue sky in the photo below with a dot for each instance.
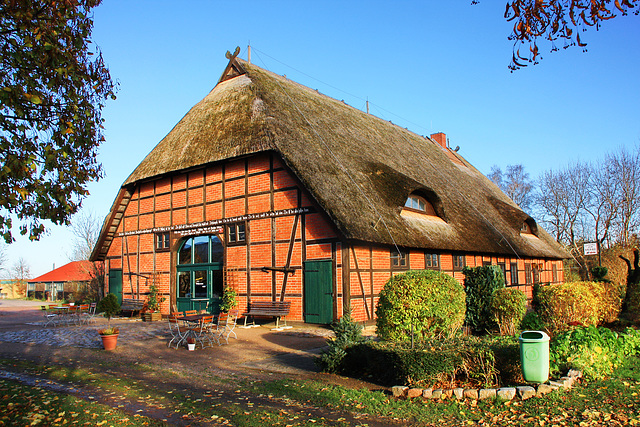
(425, 65)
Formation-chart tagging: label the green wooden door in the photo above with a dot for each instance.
(115, 283)
(318, 292)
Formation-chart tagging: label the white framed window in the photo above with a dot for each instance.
(419, 204)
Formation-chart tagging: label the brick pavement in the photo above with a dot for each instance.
(289, 351)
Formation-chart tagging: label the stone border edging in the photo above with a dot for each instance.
(503, 393)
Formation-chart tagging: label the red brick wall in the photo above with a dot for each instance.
(253, 185)
(257, 185)
(370, 268)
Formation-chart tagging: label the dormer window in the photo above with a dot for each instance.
(529, 228)
(420, 204)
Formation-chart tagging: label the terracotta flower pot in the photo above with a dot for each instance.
(109, 341)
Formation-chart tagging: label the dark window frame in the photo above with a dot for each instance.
(528, 274)
(526, 228)
(428, 261)
(537, 270)
(399, 260)
(513, 272)
(163, 241)
(459, 262)
(236, 233)
(503, 267)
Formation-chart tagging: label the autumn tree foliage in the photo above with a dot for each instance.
(53, 85)
(557, 21)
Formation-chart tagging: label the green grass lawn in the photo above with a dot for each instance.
(288, 402)
(23, 405)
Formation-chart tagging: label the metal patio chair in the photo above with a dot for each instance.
(50, 318)
(226, 326)
(178, 332)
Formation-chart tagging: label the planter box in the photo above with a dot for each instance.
(151, 317)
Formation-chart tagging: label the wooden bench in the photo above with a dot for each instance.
(132, 305)
(275, 309)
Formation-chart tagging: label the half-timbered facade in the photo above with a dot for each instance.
(282, 193)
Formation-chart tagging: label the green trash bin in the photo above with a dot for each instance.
(534, 356)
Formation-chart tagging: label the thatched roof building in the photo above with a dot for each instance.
(359, 168)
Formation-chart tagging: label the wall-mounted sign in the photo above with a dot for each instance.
(591, 249)
(214, 226)
(199, 231)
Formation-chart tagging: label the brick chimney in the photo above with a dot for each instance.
(440, 138)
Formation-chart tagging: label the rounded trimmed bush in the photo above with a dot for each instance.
(508, 307)
(431, 301)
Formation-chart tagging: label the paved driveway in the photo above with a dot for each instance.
(289, 351)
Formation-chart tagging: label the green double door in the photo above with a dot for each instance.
(199, 274)
(199, 288)
(318, 292)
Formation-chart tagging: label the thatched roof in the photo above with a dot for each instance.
(359, 168)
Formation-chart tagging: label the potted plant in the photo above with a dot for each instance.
(109, 337)
(228, 299)
(191, 343)
(109, 306)
(152, 311)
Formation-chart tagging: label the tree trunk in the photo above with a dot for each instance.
(630, 308)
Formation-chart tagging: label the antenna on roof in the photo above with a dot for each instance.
(367, 105)
(249, 53)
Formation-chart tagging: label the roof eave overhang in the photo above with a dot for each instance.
(111, 224)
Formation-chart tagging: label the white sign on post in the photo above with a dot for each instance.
(591, 249)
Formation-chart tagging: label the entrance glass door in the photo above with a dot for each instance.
(200, 274)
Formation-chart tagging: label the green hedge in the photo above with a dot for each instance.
(430, 302)
(508, 307)
(583, 303)
(479, 285)
(467, 361)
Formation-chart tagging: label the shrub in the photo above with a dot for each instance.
(570, 303)
(479, 285)
(508, 307)
(535, 295)
(599, 274)
(595, 351)
(347, 333)
(609, 297)
(532, 322)
(430, 302)
(462, 361)
(109, 306)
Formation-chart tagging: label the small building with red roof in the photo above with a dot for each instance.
(62, 282)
